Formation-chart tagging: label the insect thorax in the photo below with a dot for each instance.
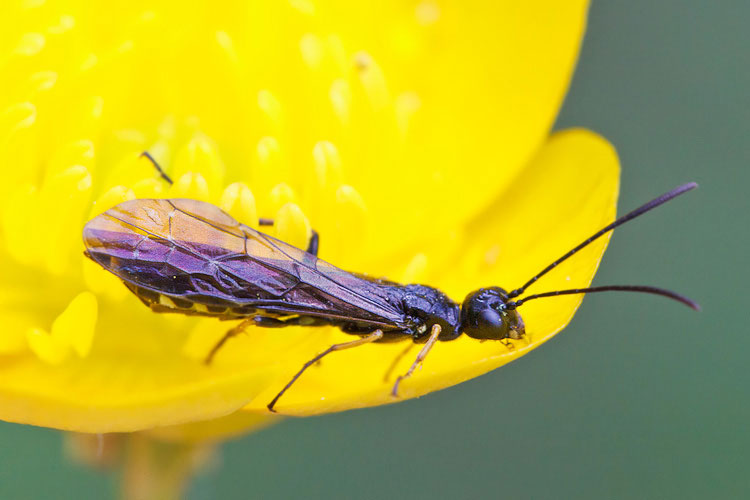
(425, 306)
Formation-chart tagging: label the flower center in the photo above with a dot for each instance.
(292, 132)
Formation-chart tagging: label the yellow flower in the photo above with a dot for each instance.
(414, 136)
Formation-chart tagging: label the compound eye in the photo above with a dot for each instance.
(490, 318)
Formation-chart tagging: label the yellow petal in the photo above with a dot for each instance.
(75, 325)
(568, 192)
(15, 328)
(386, 140)
(48, 348)
(232, 425)
(504, 77)
(121, 392)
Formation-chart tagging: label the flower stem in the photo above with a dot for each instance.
(159, 470)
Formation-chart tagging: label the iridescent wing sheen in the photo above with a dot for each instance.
(193, 252)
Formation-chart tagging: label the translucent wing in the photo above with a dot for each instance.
(192, 251)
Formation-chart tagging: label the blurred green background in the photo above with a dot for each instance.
(638, 398)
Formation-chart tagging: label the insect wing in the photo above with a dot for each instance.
(194, 251)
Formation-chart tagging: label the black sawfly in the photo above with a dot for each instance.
(190, 257)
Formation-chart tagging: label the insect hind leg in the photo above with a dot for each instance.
(376, 335)
(396, 360)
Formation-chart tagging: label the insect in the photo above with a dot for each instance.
(188, 256)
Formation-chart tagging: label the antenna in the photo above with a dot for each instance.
(660, 200)
(610, 288)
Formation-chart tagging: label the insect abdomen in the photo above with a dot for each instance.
(163, 303)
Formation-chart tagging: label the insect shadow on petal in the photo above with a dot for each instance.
(190, 257)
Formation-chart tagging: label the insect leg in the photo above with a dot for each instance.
(231, 333)
(312, 246)
(255, 321)
(420, 357)
(376, 335)
(398, 358)
(163, 175)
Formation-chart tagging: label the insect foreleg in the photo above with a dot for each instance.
(376, 335)
(420, 357)
(312, 246)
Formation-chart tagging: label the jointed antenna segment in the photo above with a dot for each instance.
(620, 221)
(611, 288)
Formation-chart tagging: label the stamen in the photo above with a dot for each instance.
(312, 50)
(227, 46)
(17, 117)
(271, 109)
(407, 104)
(268, 150)
(65, 23)
(416, 269)
(427, 13)
(190, 185)
(200, 156)
(238, 201)
(373, 80)
(347, 230)
(280, 195)
(30, 44)
(41, 81)
(32, 4)
(306, 7)
(89, 62)
(341, 100)
(271, 165)
(125, 47)
(327, 165)
(79, 152)
(292, 226)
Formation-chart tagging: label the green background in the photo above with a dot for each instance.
(638, 398)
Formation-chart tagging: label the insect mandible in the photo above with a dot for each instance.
(188, 256)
